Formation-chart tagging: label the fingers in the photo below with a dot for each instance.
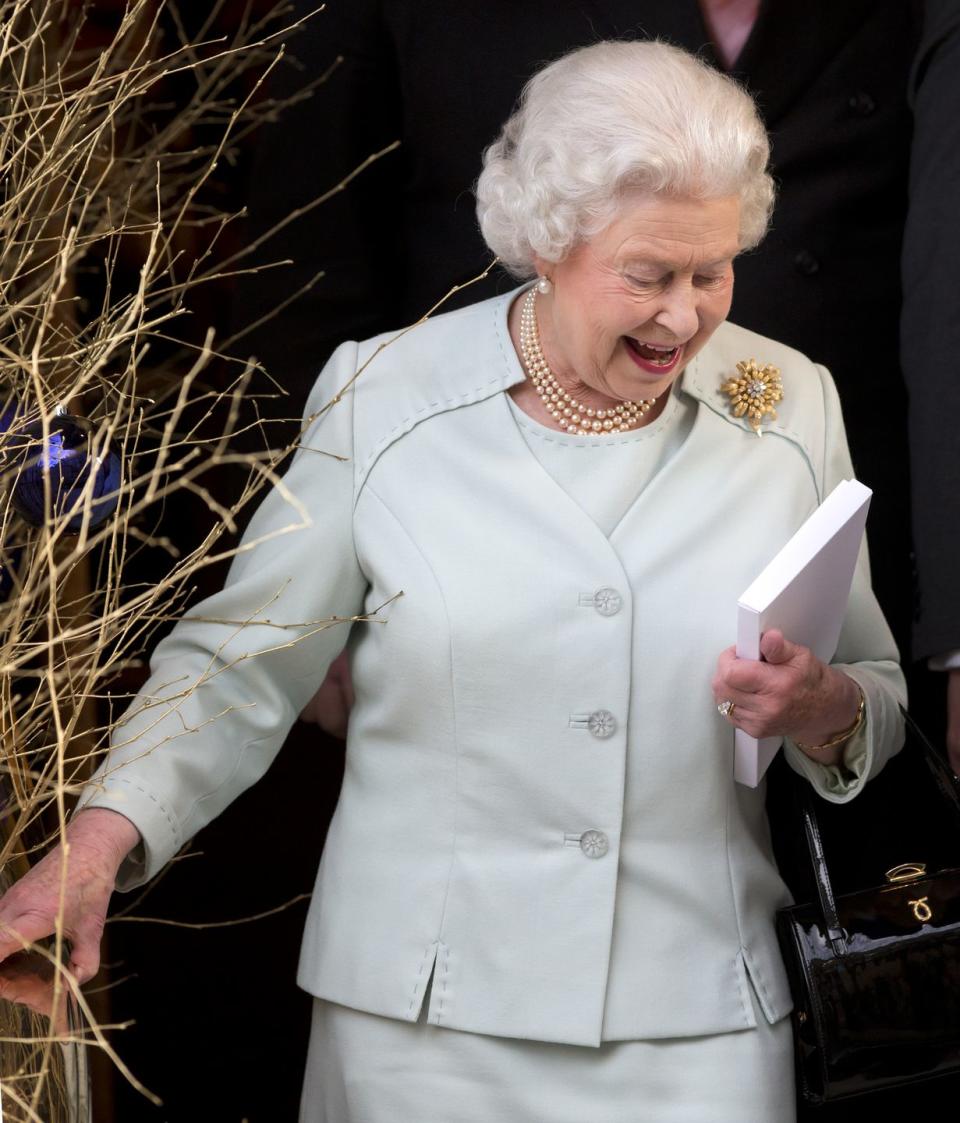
(27, 978)
(738, 679)
(771, 646)
(21, 930)
(31, 990)
(84, 964)
(762, 691)
(85, 951)
(22, 933)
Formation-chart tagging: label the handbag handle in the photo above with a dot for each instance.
(947, 785)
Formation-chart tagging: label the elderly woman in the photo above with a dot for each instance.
(542, 897)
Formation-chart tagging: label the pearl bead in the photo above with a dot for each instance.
(569, 413)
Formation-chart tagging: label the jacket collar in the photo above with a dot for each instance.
(466, 356)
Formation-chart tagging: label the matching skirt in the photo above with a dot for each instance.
(362, 1068)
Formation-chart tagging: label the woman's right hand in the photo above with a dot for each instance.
(331, 705)
(97, 841)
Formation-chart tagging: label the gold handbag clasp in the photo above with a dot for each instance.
(912, 871)
(921, 909)
(906, 871)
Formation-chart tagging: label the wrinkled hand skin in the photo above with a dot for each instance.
(97, 842)
(791, 693)
(953, 719)
(331, 705)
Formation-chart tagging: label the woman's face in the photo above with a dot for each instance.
(631, 307)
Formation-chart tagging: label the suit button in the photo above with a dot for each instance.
(602, 723)
(594, 844)
(862, 104)
(805, 263)
(607, 601)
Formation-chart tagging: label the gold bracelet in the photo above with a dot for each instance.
(840, 737)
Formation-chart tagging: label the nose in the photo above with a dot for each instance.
(678, 311)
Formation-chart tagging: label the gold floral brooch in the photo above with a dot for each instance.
(754, 392)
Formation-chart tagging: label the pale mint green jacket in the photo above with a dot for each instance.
(473, 768)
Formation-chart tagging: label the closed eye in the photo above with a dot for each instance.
(647, 282)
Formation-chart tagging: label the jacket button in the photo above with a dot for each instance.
(862, 104)
(607, 601)
(594, 844)
(805, 263)
(602, 723)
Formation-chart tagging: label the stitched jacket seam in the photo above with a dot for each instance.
(172, 821)
(364, 463)
(733, 899)
(453, 706)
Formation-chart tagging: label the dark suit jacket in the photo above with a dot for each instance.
(930, 340)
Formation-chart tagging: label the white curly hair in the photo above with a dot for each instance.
(610, 118)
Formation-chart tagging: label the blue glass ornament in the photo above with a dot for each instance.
(66, 459)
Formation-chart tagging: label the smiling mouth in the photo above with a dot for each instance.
(653, 355)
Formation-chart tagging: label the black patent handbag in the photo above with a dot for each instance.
(875, 974)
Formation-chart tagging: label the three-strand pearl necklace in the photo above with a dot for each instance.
(572, 416)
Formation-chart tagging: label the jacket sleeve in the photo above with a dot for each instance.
(930, 329)
(866, 651)
(229, 680)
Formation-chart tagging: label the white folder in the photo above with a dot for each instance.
(803, 592)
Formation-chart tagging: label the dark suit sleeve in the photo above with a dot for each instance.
(931, 328)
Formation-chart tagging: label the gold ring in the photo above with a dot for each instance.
(725, 709)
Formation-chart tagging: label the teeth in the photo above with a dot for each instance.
(652, 352)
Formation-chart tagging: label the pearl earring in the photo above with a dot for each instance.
(544, 285)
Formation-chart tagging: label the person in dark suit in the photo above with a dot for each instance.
(930, 343)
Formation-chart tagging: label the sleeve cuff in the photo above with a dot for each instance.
(948, 661)
(160, 832)
(865, 753)
(840, 782)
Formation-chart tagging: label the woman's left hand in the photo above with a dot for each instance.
(789, 694)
